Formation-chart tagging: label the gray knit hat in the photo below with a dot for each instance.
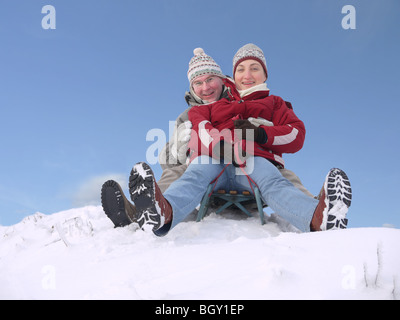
(202, 64)
(249, 51)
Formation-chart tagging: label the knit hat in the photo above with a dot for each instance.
(249, 51)
(202, 64)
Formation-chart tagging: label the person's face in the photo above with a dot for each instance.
(249, 73)
(208, 87)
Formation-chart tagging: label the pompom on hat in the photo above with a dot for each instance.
(202, 64)
(249, 51)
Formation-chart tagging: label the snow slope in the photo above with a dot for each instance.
(77, 254)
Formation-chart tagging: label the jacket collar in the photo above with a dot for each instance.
(259, 87)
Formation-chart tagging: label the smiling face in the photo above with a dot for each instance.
(249, 73)
(208, 87)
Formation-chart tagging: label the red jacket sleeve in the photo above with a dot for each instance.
(204, 137)
(288, 133)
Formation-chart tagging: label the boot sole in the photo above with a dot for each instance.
(338, 194)
(142, 192)
(113, 203)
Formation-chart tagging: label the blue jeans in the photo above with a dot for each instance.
(278, 192)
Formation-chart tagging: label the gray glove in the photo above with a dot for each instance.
(260, 122)
(180, 141)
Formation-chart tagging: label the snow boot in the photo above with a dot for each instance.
(334, 202)
(116, 206)
(154, 210)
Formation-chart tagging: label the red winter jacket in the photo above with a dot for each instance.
(209, 121)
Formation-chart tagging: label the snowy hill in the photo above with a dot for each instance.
(77, 254)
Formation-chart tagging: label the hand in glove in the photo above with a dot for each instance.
(258, 134)
(180, 141)
(260, 122)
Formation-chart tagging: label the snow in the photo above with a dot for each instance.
(77, 254)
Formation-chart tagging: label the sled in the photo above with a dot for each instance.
(223, 200)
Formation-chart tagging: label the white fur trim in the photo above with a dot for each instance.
(259, 87)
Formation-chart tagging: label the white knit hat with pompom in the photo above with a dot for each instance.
(202, 64)
(249, 51)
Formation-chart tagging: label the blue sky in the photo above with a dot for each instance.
(78, 101)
